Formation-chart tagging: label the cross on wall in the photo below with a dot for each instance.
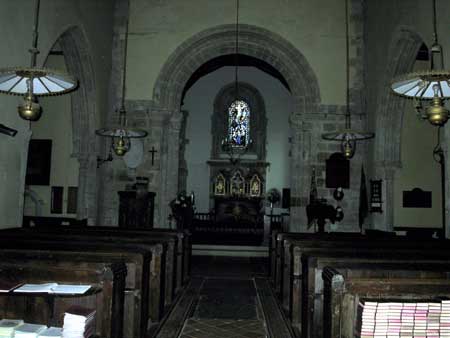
(153, 152)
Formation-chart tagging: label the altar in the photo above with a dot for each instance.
(237, 195)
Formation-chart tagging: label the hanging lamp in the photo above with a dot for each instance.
(31, 82)
(433, 84)
(121, 135)
(347, 137)
(233, 149)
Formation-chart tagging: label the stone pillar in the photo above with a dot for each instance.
(170, 152)
(445, 148)
(108, 201)
(300, 155)
(23, 172)
(386, 172)
(87, 188)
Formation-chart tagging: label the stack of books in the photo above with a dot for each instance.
(444, 319)
(79, 322)
(406, 320)
(51, 332)
(7, 327)
(29, 330)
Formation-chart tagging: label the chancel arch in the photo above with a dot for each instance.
(256, 42)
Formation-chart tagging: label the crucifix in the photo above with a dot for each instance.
(153, 151)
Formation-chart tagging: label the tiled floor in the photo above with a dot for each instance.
(227, 305)
(223, 328)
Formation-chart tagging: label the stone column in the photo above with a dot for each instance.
(87, 188)
(299, 173)
(445, 148)
(386, 172)
(170, 152)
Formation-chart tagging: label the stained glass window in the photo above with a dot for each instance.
(239, 123)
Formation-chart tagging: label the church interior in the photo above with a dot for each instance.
(212, 168)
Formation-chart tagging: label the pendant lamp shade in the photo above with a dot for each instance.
(429, 85)
(423, 85)
(31, 82)
(46, 82)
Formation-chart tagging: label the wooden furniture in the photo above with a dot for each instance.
(165, 274)
(359, 263)
(138, 262)
(342, 293)
(42, 267)
(136, 209)
(297, 261)
(235, 212)
(161, 272)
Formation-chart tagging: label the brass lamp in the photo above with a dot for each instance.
(348, 137)
(429, 85)
(121, 135)
(32, 82)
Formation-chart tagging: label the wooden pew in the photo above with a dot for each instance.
(184, 248)
(181, 241)
(282, 240)
(282, 252)
(138, 262)
(360, 262)
(291, 285)
(41, 267)
(342, 294)
(161, 270)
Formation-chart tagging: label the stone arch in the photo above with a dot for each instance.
(253, 41)
(258, 120)
(404, 46)
(403, 49)
(75, 47)
(217, 41)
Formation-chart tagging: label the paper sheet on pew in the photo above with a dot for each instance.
(54, 288)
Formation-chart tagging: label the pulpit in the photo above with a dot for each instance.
(136, 209)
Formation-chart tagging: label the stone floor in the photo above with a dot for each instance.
(227, 305)
(228, 297)
(223, 328)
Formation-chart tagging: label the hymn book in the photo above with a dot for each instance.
(53, 288)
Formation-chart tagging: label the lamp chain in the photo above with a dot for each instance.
(236, 87)
(435, 37)
(124, 75)
(33, 50)
(347, 48)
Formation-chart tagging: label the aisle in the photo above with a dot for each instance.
(226, 308)
(228, 297)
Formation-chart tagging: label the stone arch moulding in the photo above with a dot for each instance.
(75, 48)
(258, 120)
(403, 48)
(214, 42)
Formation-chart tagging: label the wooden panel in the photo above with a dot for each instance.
(39, 162)
(72, 199)
(57, 200)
